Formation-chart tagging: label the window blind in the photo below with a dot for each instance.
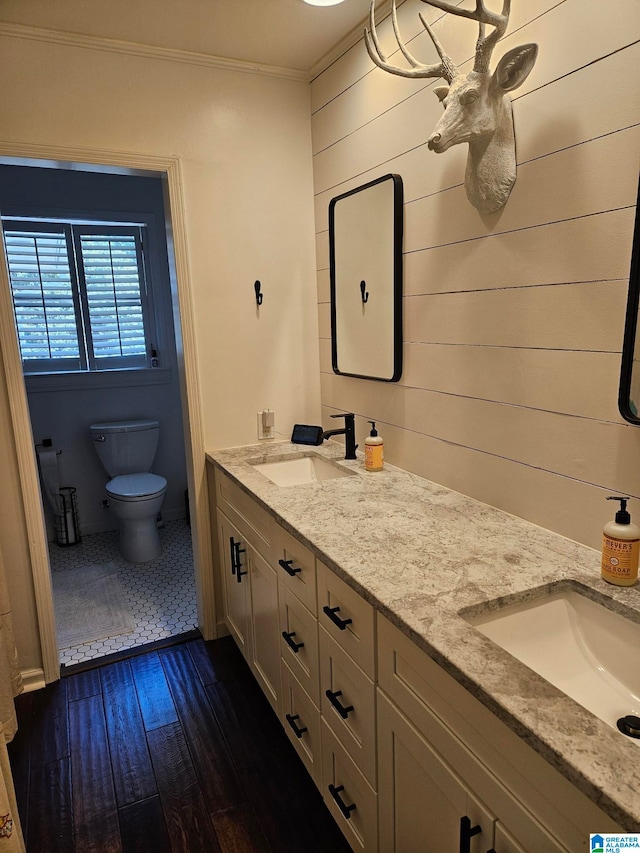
(80, 295)
(43, 295)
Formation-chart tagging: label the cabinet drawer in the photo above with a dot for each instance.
(299, 648)
(301, 721)
(347, 702)
(249, 517)
(348, 795)
(347, 617)
(296, 568)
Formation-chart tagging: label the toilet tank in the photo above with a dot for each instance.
(126, 447)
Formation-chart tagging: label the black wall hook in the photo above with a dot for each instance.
(365, 296)
(259, 295)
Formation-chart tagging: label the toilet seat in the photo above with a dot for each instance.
(135, 487)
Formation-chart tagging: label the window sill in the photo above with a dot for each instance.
(39, 382)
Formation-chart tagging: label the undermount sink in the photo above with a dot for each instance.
(584, 649)
(301, 470)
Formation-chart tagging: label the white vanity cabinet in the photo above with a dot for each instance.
(449, 768)
(405, 757)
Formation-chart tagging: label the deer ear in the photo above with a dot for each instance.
(514, 67)
(441, 92)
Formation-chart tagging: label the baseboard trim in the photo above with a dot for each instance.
(33, 679)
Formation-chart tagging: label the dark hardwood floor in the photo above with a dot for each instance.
(173, 750)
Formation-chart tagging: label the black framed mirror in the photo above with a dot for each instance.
(629, 395)
(365, 256)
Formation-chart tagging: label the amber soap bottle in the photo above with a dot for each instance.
(620, 547)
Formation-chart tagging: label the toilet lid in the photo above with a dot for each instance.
(135, 486)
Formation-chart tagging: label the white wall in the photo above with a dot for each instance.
(514, 321)
(243, 141)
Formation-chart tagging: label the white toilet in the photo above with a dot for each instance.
(126, 450)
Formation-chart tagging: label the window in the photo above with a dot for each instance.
(80, 295)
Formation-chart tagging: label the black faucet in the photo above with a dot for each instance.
(349, 433)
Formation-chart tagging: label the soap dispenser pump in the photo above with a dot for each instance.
(373, 450)
(620, 547)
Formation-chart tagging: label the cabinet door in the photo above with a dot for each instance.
(423, 805)
(506, 843)
(265, 637)
(235, 582)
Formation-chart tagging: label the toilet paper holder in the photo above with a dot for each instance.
(47, 442)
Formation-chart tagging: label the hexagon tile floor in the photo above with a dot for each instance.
(161, 593)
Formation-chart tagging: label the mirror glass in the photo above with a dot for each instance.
(365, 244)
(629, 397)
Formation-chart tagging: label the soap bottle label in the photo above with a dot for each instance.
(620, 560)
(373, 457)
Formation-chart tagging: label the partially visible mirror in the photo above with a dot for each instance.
(365, 244)
(629, 397)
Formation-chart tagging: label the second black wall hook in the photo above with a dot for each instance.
(365, 296)
(259, 294)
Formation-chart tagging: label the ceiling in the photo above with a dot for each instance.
(283, 33)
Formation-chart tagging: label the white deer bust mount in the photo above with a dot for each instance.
(477, 106)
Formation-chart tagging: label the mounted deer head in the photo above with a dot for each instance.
(477, 108)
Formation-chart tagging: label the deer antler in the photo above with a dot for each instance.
(485, 44)
(445, 68)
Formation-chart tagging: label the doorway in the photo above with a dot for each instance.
(193, 461)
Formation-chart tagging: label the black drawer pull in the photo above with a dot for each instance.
(343, 710)
(295, 647)
(236, 550)
(286, 565)
(331, 613)
(466, 834)
(344, 808)
(238, 562)
(232, 547)
(298, 732)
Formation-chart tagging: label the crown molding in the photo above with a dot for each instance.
(167, 54)
(350, 40)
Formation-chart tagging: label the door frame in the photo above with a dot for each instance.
(169, 169)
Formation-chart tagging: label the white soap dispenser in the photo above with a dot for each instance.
(373, 450)
(620, 547)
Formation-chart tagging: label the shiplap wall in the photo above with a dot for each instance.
(513, 322)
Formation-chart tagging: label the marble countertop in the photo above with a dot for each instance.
(421, 554)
